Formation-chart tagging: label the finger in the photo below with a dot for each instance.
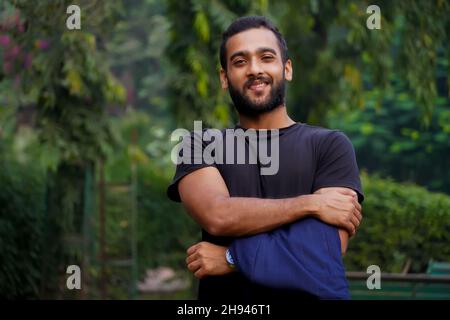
(357, 207)
(346, 191)
(353, 231)
(191, 257)
(355, 222)
(357, 204)
(199, 273)
(349, 228)
(358, 215)
(345, 198)
(192, 249)
(194, 266)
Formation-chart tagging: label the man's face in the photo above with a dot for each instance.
(255, 75)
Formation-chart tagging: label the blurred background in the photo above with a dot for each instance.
(86, 117)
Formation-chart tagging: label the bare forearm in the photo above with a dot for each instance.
(343, 236)
(212, 207)
(238, 216)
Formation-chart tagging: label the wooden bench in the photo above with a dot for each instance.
(433, 285)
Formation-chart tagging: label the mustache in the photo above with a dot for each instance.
(250, 81)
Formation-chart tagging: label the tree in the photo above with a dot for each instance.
(64, 76)
(390, 138)
(335, 56)
(195, 91)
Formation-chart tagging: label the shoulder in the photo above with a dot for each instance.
(321, 136)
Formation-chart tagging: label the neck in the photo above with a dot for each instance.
(275, 119)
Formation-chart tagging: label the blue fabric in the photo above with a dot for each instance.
(305, 255)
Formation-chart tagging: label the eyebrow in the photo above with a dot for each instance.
(246, 52)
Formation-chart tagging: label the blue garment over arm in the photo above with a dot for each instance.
(305, 255)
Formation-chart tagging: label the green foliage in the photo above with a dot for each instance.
(165, 231)
(400, 222)
(136, 52)
(195, 91)
(67, 81)
(424, 34)
(22, 216)
(330, 46)
(142, 139)
(66, 77)
(390, 138)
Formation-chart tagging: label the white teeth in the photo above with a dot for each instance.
(260, 84)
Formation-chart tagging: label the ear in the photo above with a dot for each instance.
(288, 70)
(223, 79)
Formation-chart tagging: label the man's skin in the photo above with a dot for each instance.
(253, 53)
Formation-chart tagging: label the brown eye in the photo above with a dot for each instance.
(238, 62)
(267, 58)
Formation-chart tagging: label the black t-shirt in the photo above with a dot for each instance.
(310, 158)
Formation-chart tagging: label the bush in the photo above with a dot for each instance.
(400, 222)
(165, 229)
(22, 207)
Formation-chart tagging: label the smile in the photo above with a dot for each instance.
(258, 86)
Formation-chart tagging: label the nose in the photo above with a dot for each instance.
(254, 68)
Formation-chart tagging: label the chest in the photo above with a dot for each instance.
(294, 168)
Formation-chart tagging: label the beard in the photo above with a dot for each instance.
(245, 106)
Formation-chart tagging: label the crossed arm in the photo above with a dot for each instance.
(219, 214)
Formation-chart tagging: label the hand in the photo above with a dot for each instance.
(207, 259)
(339, 206)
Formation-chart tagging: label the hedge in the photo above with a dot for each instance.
(401, 222)
(22, 206)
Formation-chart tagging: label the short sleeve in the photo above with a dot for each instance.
(336, 164)
(189, 158)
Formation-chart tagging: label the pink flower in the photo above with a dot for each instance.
(15, 51)
(42, 44)
(12, 53)
(4, 40)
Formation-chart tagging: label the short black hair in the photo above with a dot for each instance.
(250, 22)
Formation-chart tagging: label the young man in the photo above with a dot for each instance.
(277, 236)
